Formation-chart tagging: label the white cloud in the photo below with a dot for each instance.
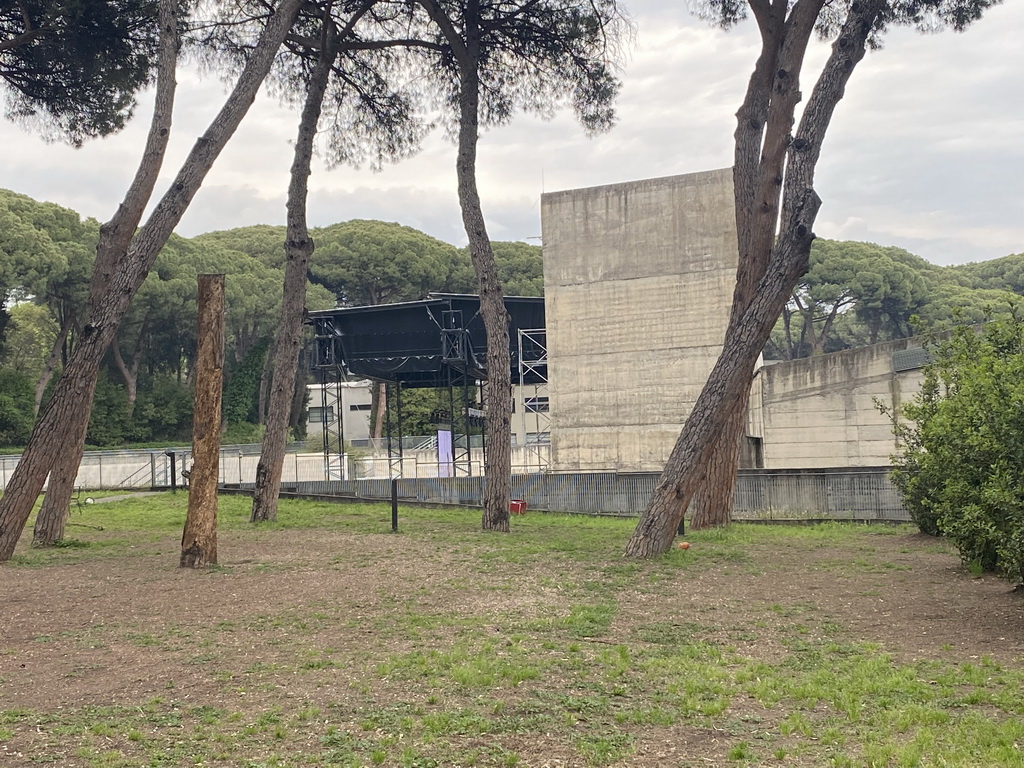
(924, 151)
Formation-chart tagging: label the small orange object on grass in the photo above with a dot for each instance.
(684, 545)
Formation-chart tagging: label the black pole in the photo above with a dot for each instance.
(394, 504)
(174, 471)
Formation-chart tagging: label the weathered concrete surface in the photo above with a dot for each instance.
(820, 411)
(638, 279)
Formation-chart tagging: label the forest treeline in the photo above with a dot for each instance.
(854, 294)
(143, 394)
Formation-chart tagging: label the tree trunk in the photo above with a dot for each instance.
(114, 238)
(266, 378)
(199, 539)
(378, 407)
(129, 374)
(826, 329)
(712, 503)
(750, 327)
(51, 363)
(498, 465)
(299, 391)
(298, 251)
(71, 403)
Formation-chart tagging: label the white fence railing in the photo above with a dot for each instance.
(138, 469)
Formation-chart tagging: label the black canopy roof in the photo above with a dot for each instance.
(419, 343)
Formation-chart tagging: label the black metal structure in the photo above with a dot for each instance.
(437, 342)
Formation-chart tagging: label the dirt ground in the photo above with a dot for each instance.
(110, 632)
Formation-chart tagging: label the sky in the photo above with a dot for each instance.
(925, 152)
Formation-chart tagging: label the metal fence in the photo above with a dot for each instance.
(842, 494)
(138, 469)
(834, 494)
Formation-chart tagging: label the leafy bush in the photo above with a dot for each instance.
(17, 401)
(241, 395)
(961, 465)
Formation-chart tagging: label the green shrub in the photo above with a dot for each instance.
(17, 402)
(961, 463)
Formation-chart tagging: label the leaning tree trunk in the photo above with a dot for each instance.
(712, 503)
(298, 250)
(498, 466)
(115, 237)
(72, 399)
(749, 330)
(764, 124)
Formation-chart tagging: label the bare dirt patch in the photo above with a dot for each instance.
(352, 628)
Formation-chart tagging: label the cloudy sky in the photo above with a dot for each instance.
(925, 152)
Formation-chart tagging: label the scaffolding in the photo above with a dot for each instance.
(439, 342)
(533, 371)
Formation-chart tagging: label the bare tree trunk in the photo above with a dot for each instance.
(199, 539)
(51, 363)
(826, 330)
(298, 251)
(129, 374)
(498, 387)
(712, 503)
(299, 391)
(115, 237)
(753, 315)
(266, 376)
(380, 404)
(71, 403)
(498, 467)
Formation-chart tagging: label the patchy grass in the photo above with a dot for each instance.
(327, 641)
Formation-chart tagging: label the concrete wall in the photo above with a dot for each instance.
(820, 411)
(638, 279)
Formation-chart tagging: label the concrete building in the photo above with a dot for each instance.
(638, 280)
(821, 411)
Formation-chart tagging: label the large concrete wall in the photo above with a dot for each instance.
(820, 411)
(638, 279)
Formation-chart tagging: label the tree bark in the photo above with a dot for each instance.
(764, 122)
(713, 501)
(266, 381)
(199, 539)
(299, 391)
(498, 465)
(72, 399)
(115, 235)
(379, 408)
(298, 251)
(755, 312)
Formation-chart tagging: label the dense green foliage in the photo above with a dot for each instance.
(961, 466)
(72, 68)
(861, 293)
(376, 262)
(16, 398)
(144, 395)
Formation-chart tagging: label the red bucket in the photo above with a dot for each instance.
(517, 507)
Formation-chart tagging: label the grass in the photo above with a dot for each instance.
(541, 646)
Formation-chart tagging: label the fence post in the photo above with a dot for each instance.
(394, 504)
(100, 457)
